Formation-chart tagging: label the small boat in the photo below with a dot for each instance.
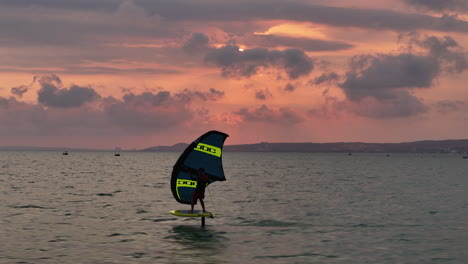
(65, 153)
(117, 151)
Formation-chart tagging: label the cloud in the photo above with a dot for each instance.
(264, 114)
(294, 11)
(5, 103)
(262, 94)
(108, 21)
(441, 5)
(65, 112)
(147, 98)
(325, 78)
(447, 50)
(19, 90)
(51, 94)
(198, 42)
(145, 118)
(332, 108)
(402, 104)
(379, 76)
(151, 112)
(380, 86)
(65, 24)
(307, 44)
(187, 95)
(448, 106)
(289, 87)
(236, 64)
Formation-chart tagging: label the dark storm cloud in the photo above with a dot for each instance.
(52, 94)
(441, 5)
(283, 116)
(235, 63)
(273, 41)
(19, 90)
(197, 43)
(378, 76)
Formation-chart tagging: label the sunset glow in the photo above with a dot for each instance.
(142, 73)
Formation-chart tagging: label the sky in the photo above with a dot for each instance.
(142, 73)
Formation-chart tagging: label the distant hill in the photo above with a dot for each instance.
(426, 146)
(174, 148)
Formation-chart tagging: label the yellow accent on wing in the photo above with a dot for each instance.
(212, 150)
(185, 183)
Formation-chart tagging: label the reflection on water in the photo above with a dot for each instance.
(197, 244)
(273, 208)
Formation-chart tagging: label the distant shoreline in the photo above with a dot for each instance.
(454, 146)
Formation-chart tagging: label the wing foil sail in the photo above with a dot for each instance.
(205, 152)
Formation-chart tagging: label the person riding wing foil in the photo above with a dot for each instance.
(199, 194)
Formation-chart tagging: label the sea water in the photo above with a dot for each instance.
(93, 207)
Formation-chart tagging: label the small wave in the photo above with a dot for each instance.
(136, 255)
(297, 255)
(126, 240)
(104, 194)
(28, 206)
(58, 239)
(442, 259)
(157, 220)
(367, 225)
(139, 233)
(115, 234)
(268, 223)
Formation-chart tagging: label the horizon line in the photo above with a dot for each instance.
(263, 142)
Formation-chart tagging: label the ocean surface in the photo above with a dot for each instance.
(93, 207)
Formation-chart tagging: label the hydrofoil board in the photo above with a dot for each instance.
(187, 213)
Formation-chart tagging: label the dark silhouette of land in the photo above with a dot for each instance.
(426, 146)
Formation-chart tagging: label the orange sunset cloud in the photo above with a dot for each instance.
(141, 73)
